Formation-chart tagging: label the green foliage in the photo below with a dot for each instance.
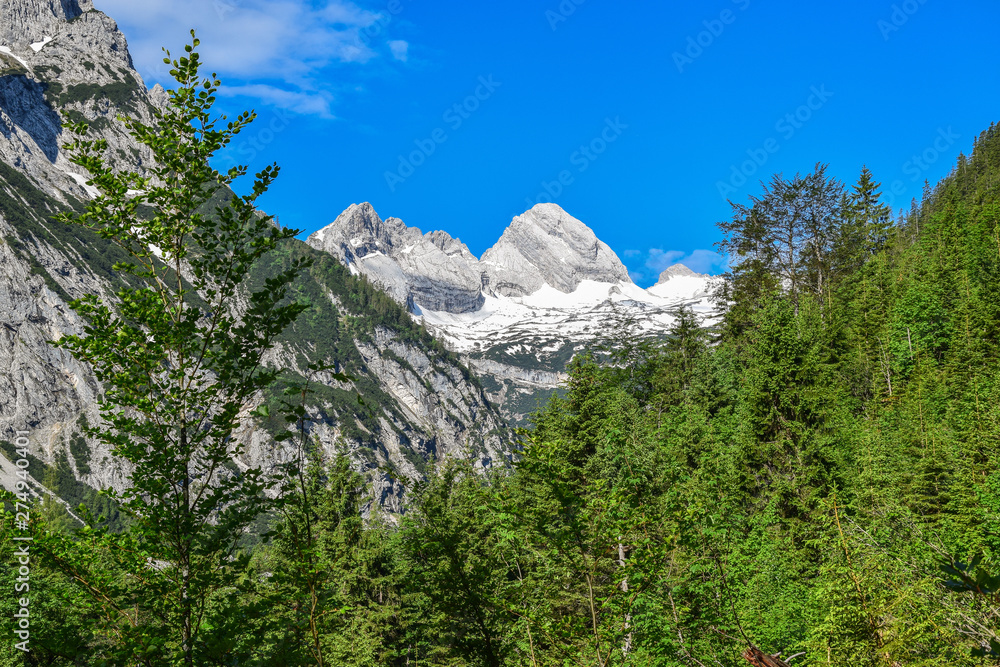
(792, 483)
(178, 363)
(9, 66)
(788, 489)
(122, 95)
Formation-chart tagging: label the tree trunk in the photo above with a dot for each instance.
(627, 644)
(758, 658)
(185, 563)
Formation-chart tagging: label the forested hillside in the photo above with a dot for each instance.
(799, 485)
(809, 481)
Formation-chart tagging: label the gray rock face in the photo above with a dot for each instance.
(55, 56)
(432, 271)
(678, 270)
(547, 246)
(23, 19)
(432, 406)
(43, 390)
(65, 56)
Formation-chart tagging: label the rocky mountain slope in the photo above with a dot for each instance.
(432, 270)
(546, 290)
(66, 57)
(547, 246)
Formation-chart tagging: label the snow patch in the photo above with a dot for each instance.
(6, 49)
(37, 46)
(681, 287)
(588, 293)
(82, 182)
(549, 319)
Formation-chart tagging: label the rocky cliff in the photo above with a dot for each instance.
(421, 402)
(547, 246)
(65, 58)
(432, 271)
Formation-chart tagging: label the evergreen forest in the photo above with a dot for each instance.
(812, 479)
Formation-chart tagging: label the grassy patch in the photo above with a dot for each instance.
(121, 94)
(10, 66)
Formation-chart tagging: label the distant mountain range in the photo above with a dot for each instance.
(546, 290)
(514, 317)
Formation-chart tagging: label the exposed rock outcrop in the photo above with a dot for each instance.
(547, 246)
(433, 271)
(428, 271)
(67, 57)
(23, 20)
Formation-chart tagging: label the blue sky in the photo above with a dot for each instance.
(639, 118)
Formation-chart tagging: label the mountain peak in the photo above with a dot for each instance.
(430, 271)
(357, 232)
(548, 208)
(547, 245)
(363, 231)
(678, 270)
(553, 220)
(358, 215)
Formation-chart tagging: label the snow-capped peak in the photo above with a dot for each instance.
(678, 270)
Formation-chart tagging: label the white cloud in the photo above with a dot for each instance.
(251, 41)
(314, 103)
(700, 261)
(400, 49)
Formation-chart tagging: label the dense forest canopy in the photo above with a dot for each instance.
(813, 481)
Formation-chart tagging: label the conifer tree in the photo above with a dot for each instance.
(866, 227)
